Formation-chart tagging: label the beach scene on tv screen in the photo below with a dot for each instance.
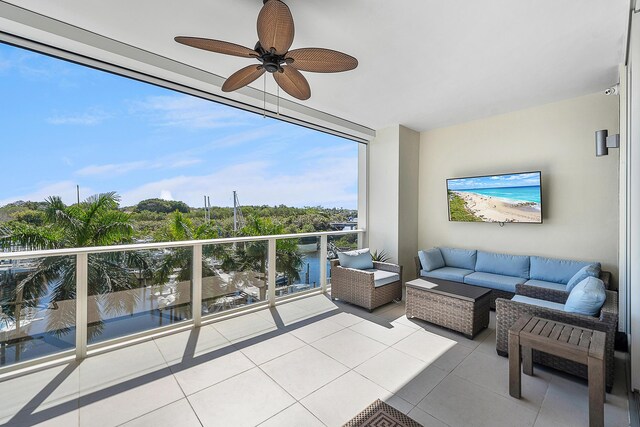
(496, 198)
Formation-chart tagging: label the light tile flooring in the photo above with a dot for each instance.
(311, 362)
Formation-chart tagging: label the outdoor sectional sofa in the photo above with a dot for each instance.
(537, 277)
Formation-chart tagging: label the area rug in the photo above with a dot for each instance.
(379, 414)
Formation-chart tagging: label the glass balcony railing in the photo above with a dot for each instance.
(37, 307)
(234, 275)
(57, 303)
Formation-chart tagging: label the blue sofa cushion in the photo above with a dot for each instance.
(507, 265)
(493, 281)
(547, 285)
(459, 258)
(359, 259)
(447, 273)
(431, 259)
(555, 270)
(586, 297)
(592, 270)
(382, 277)
(538, 302)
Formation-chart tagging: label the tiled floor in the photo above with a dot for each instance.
(310, 362)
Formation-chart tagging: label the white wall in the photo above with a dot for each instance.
(409, 167)
(580, 191)
(384, 189)
(393, 195)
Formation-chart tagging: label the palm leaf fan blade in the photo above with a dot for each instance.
(275, 27)
(319, 60)
(293, 82)
(242, 77)
(217, 46)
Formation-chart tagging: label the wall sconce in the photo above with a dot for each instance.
(604, 141)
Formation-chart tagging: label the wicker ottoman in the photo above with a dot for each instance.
(462, 308)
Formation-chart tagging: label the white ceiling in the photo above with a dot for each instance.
(423, 63)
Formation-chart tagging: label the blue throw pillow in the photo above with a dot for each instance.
(360, 259)
(459, 258)
(586, 297)
(592, 270)
(431, 259)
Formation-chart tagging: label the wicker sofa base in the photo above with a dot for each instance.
(466, 317)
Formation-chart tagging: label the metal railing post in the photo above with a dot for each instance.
(82, 291)
(271, 281)
(323, 263)
(196, 280)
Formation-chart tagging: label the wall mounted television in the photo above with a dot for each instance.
(512, 197)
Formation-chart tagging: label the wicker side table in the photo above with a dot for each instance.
(574, 343)
(462, 308)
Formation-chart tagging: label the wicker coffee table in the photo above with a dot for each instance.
(462, 308)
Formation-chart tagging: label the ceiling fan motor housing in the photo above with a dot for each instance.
(271, 61)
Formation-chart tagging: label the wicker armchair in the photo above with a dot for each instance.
(357, 286)
(508, 312)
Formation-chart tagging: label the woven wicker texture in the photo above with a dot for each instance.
(379, 414)
(293, 82)
(321, 60)
(242, 77)
(275, 27)
(357, 286)
(467, 317)
(508, 312)
(218, 46)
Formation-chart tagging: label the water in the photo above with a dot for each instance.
(312, 259)
(521, 194)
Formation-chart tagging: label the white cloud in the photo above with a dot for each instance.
(111, 169)
(88, 118)
(166, 195)
(329, 183)
(65, 189)
(188, 112)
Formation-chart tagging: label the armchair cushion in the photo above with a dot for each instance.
(587, 297)
(447, 273)
(494, 281)
(459, 258)
(538, 302)
(555, 270)
(591, 270)
(359, 259)
(431, 259)
(382, 277)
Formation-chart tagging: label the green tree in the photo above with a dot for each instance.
(94, 222)
(160, 205)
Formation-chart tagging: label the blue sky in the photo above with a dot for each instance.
(495, 181)
(63, 124)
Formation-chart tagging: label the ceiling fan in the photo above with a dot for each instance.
(275, 36)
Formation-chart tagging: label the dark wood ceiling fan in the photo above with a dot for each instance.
(275, 36)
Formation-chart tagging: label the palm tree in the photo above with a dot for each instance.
(94, 222)
(288, 257)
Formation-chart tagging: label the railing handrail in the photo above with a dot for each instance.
(164, 245)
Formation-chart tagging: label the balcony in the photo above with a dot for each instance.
(282, 355)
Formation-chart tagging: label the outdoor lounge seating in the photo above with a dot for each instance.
(504, 274)
(508, 311)
(368, 288)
